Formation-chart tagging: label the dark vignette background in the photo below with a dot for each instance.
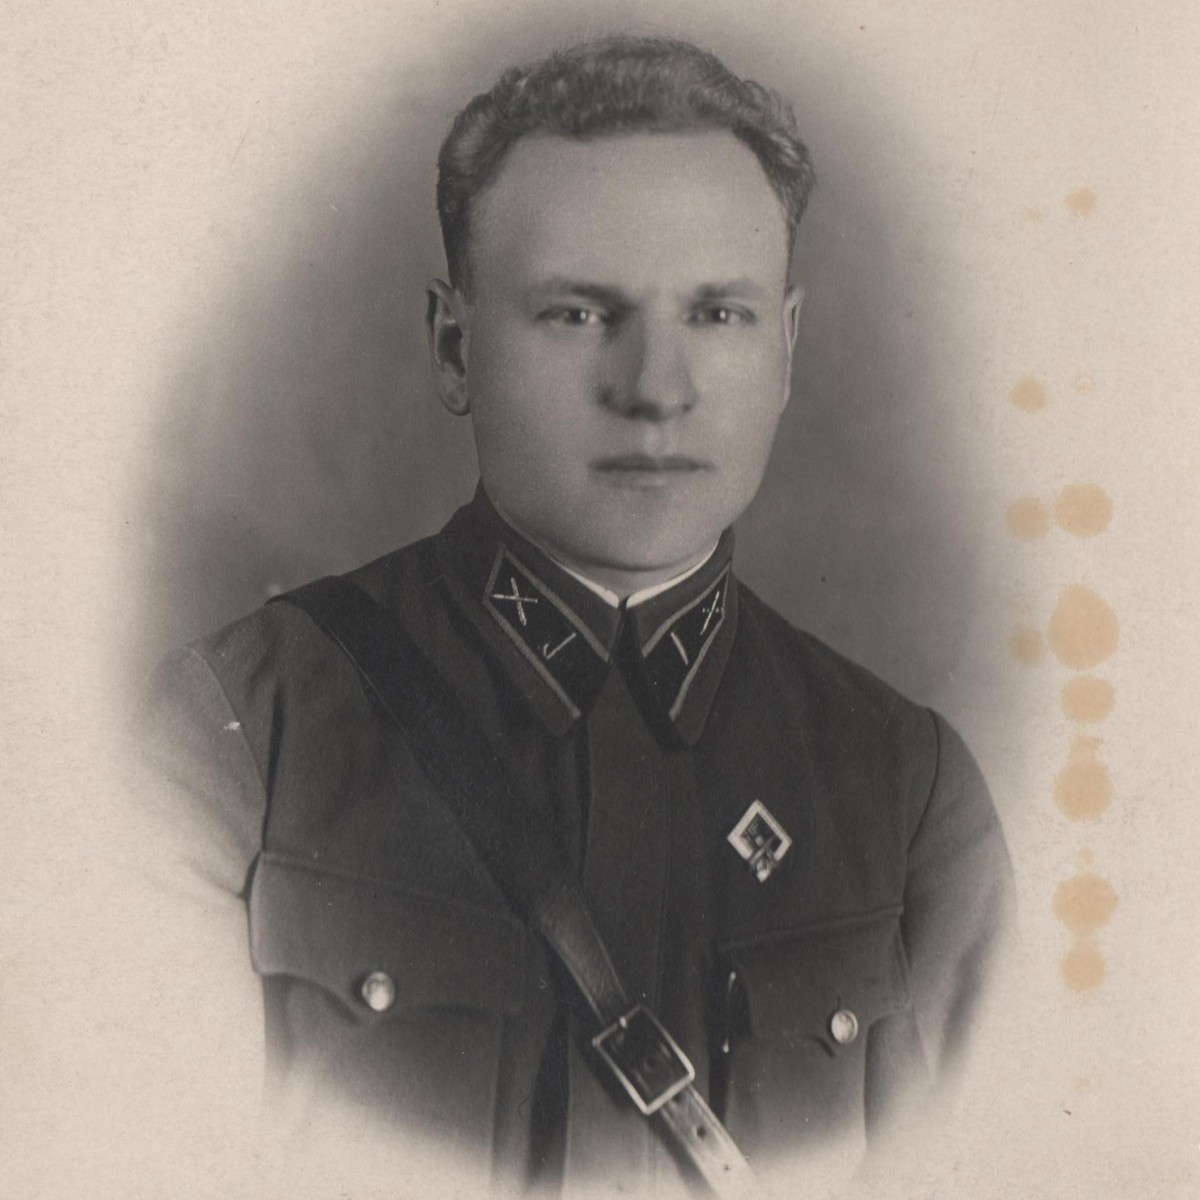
(299, 433)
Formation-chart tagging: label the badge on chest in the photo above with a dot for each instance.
(760, 839)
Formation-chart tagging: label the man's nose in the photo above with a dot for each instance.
(647, 372)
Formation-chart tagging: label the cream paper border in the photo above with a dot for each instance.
(149, 149)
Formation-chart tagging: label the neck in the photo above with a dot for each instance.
(624, 581)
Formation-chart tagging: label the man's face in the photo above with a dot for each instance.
(626, 352)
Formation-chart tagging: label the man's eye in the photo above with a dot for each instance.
(722, 314)
(576, 316)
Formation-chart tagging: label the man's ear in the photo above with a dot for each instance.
(793, 299)
(445, 330)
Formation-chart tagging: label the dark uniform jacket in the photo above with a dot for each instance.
(815, 995)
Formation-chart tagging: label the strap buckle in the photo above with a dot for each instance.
(645, 1058)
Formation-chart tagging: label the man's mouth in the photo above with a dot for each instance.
(649, 465)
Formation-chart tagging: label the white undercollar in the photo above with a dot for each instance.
(639, 597)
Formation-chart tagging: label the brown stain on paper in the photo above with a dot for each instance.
(1028, 518)
(1026, 646)
(1085, 903)
(1028, 395)
(1080, 203)
(1083, 510)
(1083, 629)
(1083, 788)
(1087, 699)
(1083, 967)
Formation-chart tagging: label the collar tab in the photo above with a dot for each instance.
(549, 635)
(674, 652)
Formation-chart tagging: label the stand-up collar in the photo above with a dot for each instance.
(557, 639)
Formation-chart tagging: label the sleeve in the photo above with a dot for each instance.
(193, 1047)
(959, 909)
(958, 906)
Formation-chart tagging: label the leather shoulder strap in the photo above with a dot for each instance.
(528, 863)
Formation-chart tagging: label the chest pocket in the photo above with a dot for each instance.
(379, 949)
(801, 1003)
(382, 1001)
(828, 982)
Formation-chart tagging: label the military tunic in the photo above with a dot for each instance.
(815, 995)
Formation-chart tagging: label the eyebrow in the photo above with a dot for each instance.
(558, 284)
(733, 287)
(616, 298)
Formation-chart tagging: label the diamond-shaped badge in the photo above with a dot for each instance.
(760, 839)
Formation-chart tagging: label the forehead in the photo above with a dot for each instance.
(642, 210)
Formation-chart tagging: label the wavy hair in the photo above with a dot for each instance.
(608, 86)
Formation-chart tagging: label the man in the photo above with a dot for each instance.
(795, 870)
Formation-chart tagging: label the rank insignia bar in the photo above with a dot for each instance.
(760, 839)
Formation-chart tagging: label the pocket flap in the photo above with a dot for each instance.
(827, 980)
(339, 930)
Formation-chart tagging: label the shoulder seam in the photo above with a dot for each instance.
(937, 770)
(194, 652)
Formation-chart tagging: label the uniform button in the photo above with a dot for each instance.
(844, 1026)
(378, 991)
